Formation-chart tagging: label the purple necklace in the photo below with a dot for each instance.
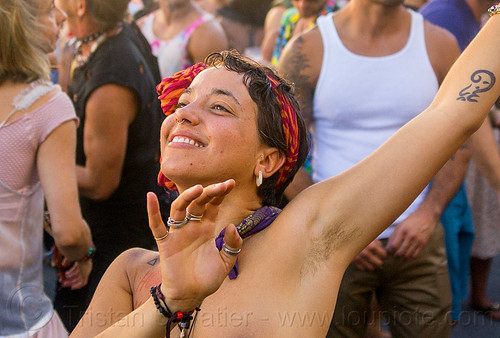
(254, 223)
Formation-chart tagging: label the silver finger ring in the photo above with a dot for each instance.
(176, 224)
(230, 251)
(162, 237)
(191, 217)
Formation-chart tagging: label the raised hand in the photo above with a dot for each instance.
(192, 267)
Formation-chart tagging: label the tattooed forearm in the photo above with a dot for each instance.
(482, 81)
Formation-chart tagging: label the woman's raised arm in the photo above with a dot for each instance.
(367, 198)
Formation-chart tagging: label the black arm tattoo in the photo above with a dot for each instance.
(295, 66)
(480, 86)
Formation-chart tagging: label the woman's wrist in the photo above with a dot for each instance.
(177, 305)
(173, 317)
(90, 253)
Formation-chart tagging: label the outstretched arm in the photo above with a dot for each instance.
(362, 201)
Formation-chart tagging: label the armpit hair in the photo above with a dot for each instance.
(323, 245)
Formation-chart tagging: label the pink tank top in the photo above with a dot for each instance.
(25, 307)
(172, 54)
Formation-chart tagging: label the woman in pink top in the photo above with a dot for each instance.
(37, 133)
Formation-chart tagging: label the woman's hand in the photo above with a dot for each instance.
(191, 265)
(77, 276)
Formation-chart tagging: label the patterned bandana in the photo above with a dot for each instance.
(291, 130)
(171, 88)
(254, 223)
(169, 91)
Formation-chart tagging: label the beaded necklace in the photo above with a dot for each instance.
(78, 58)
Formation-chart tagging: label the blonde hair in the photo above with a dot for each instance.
(22, 58)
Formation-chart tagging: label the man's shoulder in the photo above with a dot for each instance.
(307, 46)
(442, 47)
(437, 31)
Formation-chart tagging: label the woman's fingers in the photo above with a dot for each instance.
(211, 198)
(154, 216)
(178, 207)
(232, 246)
(196, 198)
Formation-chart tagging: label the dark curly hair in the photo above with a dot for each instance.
(269, 121)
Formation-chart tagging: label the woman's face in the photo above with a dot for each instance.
(50, 18)
(217, 139)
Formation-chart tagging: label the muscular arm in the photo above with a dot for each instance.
(300, 63)
(109, 112)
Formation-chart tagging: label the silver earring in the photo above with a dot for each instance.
(258, 180)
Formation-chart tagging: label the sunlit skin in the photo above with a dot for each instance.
(50, 18)
(294, 266)
(216, 101)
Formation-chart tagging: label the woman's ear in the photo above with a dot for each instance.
(81, 7)
(269, 161)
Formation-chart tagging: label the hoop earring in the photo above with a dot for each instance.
(258, 180)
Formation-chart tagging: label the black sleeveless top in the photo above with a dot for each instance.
(120, 222)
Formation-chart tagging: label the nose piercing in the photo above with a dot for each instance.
(181, 122)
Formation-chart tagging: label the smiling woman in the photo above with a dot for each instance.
(257, 114)
(291, 261)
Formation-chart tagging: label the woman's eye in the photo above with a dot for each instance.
(219, 107)
(180, 105)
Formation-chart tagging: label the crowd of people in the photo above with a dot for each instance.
(208, 168)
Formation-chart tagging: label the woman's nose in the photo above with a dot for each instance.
(187, 115)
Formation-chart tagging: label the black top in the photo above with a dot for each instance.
(120, 222)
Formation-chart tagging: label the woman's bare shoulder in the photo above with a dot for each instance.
(142, 270)
(135, 260)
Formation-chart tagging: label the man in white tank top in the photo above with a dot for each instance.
(360, 75)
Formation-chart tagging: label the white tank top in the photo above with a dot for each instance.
(361, 101)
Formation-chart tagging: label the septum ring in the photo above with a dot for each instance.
(162, 237)
(230, 251)
(177, 224)
(191, 217)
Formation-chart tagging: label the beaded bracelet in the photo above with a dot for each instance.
(495, 9)
(183, 317)
(88, 255)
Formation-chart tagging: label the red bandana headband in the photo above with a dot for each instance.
(169, 91)
(171, 88)
(291, 131)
